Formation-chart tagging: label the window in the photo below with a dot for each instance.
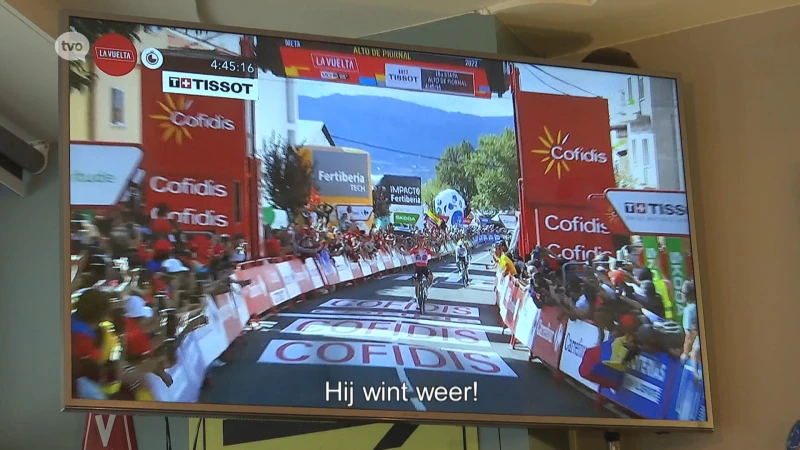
(292, 137)
(645, 152)
(641, 88)
(646, 177)
(630, 90)
(634, 154)
(117, 107)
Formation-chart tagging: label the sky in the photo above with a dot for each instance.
(494, 107)
(576, 82)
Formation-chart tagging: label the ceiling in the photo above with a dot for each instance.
(548, 27)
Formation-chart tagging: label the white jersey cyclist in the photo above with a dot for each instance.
(461, 250)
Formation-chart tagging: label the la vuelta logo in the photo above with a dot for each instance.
(559, 156)
(177, 119)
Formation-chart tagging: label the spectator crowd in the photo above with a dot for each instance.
(619, 297)
(140, 285)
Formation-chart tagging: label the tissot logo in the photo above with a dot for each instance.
(558, 155)
(659, 209)
(209, 85)
(178, 119)
(651, 212)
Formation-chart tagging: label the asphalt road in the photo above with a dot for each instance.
(371, 335)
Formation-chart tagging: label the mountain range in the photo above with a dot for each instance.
(388, 127)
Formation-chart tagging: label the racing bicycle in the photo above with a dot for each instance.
(463, 269)
(422, 292)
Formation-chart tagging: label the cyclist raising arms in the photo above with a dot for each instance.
(421, 255)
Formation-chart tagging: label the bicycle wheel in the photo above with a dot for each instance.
(423, 287)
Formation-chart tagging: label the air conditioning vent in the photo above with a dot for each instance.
(12, 168)
(19, 160)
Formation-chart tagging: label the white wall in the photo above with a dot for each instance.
(272, 109)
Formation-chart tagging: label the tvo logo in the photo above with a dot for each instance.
(72, 46)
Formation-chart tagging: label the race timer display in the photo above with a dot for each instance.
(380, 67)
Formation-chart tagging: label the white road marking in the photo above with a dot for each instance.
(412, 394)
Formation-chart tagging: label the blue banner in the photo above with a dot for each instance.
(484, 238)
(325, 262)
(648, 384)
(689, 398)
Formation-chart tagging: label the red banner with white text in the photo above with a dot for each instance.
(573, 233)
(565, 148)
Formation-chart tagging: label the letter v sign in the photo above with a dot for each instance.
(109, 432)
(105, 429)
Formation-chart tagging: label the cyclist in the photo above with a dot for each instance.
(463, 257)
(422, 255)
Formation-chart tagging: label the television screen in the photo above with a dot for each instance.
(266, 224)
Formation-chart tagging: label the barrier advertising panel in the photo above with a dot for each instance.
(580, 336)
(689, 399)
(549, 335)
(526, 321)
(647, 384)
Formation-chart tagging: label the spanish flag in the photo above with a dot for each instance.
(432, 218)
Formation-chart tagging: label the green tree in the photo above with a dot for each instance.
(380, 201)
(80, 74)
(288, 179)
(624, 179)
(495, 170)
(451, 169)
(430, 189)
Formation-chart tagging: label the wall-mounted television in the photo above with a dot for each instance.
(267, 224)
